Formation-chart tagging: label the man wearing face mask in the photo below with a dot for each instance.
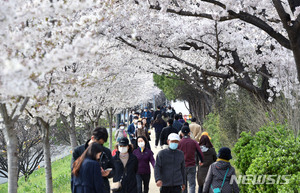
(99, 136)
(126, 166)
(170, 167)
(131, 130)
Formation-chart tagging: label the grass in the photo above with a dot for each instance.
(61, 174)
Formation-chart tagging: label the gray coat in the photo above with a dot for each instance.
(170, 167)
(215, 176)
(210, 157)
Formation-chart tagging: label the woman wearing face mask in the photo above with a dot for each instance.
(147, 128)
(142, 131)
(145, 157)
(121, 132)
(126, 166)
(87, 172)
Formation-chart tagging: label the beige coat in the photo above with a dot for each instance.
(196, 131)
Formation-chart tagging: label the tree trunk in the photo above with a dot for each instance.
(12, 143)
(72, 131)
(296, 52)
(12, 157)
(110, 115)
(45, 130)
(238, 130)
(70, 128)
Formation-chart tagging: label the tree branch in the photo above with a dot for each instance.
(285, 18)
(21, 109)
(233, 15)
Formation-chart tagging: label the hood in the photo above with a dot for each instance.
(222, 165)
(204, 148)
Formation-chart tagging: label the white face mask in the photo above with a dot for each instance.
(139, 126)
(123, 149)
(141, 144)
(122, 127)
(135, 121)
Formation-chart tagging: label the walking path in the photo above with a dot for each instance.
(152, 186)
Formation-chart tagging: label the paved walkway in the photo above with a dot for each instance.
(152, 186)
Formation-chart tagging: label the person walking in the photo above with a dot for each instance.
(147, 114)
(170, 167)
(196, 129)
(176, 124)
(142, 131)
(126, 167)
(131, 130)
(144, 156)
(170, 112)
(157, 112)
(100, 136)
(190, 147)
(121, 132)
(86, 171)
(158, 125)
(166, 132)
(210, 157)
(219, 174)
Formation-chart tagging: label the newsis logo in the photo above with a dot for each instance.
(260, 179)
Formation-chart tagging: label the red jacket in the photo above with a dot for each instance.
(189, 148)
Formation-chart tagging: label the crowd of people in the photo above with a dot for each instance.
(186, 155)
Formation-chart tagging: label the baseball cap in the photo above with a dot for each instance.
(123, 141)
(174, 136)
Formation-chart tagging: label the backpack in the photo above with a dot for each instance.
(121, 133)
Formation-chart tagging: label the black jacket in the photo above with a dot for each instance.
(156, 113)
(159, 126)
(165, 133)
(106, 161)
(170, 167)
(129, 184)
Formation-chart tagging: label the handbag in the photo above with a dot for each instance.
(219, 190)
(116, 186)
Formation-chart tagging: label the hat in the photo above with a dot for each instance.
(122, 124)
(205, 133)
(185, 130)
(225, 153)
(124, 141)
(146, 108)
(173, 136)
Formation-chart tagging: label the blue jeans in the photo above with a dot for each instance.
(190, 176)
(140, 178)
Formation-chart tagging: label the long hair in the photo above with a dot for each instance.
(91, 152)
(204, 140)
(159, 119)
(146, 124)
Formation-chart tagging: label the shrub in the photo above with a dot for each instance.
(273, 150)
